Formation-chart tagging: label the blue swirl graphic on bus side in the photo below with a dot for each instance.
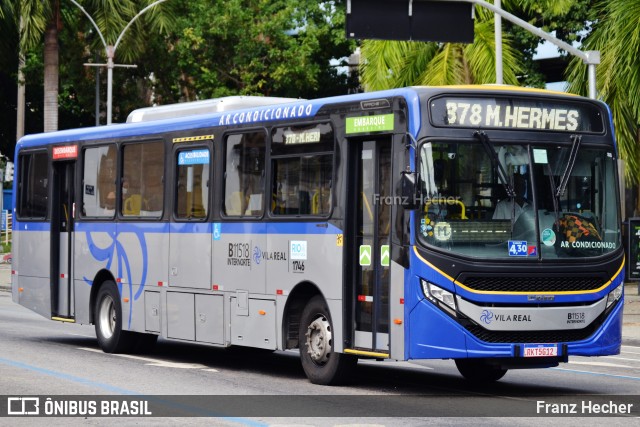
(116, 248)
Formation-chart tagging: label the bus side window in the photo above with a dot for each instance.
(302, 168)
(99, 181)
(33, 184)
(142, 187)
(244, 174)
(192, 184)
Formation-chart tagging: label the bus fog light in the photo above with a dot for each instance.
(436, 294)
(614, 295)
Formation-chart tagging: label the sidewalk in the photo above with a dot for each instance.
(630, 326)
(631, 318)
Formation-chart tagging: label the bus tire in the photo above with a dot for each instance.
(108, 321)
(479, 371)
(320, 363)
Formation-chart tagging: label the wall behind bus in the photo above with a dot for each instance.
(6, 199)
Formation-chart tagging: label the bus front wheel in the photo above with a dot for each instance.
(320, 363)
(108, 320)
(479, 371)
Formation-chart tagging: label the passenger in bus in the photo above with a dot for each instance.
(507, 207)
(131, 203)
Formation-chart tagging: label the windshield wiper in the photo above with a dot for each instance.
(564, 180)
(495, 162)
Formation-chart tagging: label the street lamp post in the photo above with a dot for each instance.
(591, 58)
(498, 37)
(110, 51)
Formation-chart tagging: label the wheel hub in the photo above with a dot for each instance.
(107, 317)
(319, 340)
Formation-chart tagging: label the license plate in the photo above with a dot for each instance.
(540, 350)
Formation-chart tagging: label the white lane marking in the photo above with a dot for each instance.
(413, 364)
(596, 373)
(156, 362)
(622, 358)
(611, 365)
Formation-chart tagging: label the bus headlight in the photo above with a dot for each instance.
(438, 296)
(614, 296)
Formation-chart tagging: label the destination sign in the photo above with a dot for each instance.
(523, 114)
(302, 137)
(65, 152)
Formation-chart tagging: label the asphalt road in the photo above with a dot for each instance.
(46, 358)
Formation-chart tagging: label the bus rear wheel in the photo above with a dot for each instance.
(320, 363)
(108, 321)
(479, 371)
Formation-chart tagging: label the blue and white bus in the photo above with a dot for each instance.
(479, 224)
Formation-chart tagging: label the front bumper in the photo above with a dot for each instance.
(434, 334)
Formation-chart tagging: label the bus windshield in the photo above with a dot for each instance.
(515, 201)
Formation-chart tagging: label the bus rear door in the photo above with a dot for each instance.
(62, 222)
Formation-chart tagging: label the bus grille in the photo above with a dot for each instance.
(531, 284)
(536, 337)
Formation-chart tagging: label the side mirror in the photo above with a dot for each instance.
(409, 190)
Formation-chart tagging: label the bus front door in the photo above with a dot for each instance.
(369, 249)
(61, 241)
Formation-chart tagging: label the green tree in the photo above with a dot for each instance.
(569, 22)
(47, 17)
(242, 47)
(211, 49)
(43, 18)
(615, 34)
(388, 64)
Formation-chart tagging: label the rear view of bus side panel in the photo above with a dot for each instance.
(31, 284)
(31, 279)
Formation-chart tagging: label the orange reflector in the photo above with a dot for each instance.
(397, 321)
(262, 312)
(20, 289)
(125, 299)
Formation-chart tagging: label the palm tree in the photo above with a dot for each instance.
(45, 17)
(388, 64)
(617, 37)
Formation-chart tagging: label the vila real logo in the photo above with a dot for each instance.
(486, 316)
